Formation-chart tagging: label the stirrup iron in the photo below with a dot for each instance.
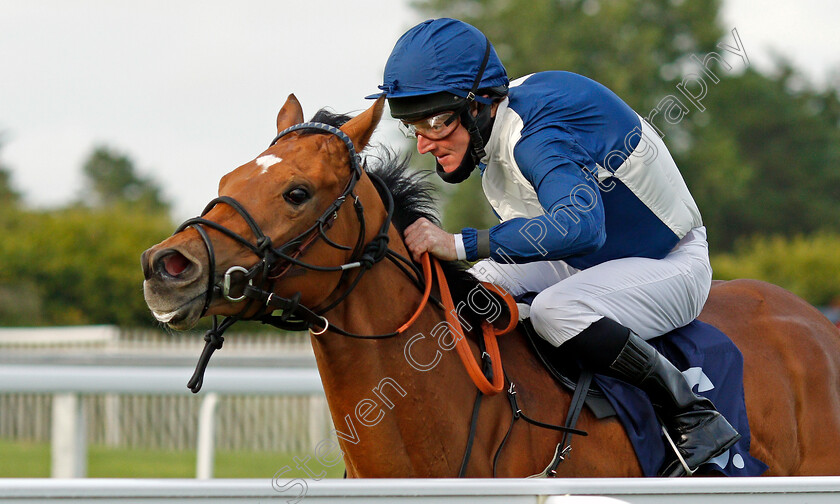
(688, 471)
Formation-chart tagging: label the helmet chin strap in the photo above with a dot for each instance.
(479, 128)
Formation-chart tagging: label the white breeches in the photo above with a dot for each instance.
(648, 296)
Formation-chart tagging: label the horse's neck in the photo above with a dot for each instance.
(383, 300)
(380, 402)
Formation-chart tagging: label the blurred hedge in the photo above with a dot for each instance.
(809, 266)
(76, 265)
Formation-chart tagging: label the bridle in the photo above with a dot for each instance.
(276, 262)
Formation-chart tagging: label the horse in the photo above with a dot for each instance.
(402, 404)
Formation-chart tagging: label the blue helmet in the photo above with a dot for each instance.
(439, 65)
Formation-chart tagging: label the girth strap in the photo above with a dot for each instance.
(564, 447)
(567, 429)
(486, 368)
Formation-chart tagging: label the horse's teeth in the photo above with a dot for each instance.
(163, 317)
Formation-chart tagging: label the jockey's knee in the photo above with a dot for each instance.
(703, 279)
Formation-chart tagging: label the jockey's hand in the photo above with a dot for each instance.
(423, 236)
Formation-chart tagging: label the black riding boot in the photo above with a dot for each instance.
(699, 432)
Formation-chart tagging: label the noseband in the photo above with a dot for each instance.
(275, 262)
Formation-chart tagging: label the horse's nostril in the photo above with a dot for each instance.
(175, 263)
(144, 262)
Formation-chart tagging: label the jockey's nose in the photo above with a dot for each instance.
(424, 145)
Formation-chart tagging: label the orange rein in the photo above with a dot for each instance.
(489, 331)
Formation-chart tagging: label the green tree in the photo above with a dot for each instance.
(634, 47)
(80, 265)
(77, 265)
(764, 158)
(19, 301)
(112, 179)
(8, 195)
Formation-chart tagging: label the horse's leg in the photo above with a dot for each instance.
(791, 375)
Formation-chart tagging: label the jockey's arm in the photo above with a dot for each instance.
(574, 213)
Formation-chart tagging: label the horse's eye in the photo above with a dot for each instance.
(297, 196)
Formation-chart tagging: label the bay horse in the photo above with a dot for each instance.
(303, 228)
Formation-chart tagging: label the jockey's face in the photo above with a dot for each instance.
(449, 151)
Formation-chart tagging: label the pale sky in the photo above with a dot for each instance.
(190, 90)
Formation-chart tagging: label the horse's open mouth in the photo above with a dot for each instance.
(184, 316)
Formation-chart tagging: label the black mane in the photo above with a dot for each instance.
(332, 118)
(413, 192)
(414, 197)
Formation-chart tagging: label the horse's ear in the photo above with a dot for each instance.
(361, 127)
(290, 114)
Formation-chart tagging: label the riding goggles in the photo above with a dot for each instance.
(436, 127)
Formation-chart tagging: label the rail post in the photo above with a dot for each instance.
(69, 437)
(206, 449)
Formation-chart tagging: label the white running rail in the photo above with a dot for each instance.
(812, 490)
(68, 383)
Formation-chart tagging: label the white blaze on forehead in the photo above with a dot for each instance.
(268, 161)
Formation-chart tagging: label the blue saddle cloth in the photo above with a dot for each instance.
(714, 366)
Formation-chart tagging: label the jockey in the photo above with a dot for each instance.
(595, 216)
